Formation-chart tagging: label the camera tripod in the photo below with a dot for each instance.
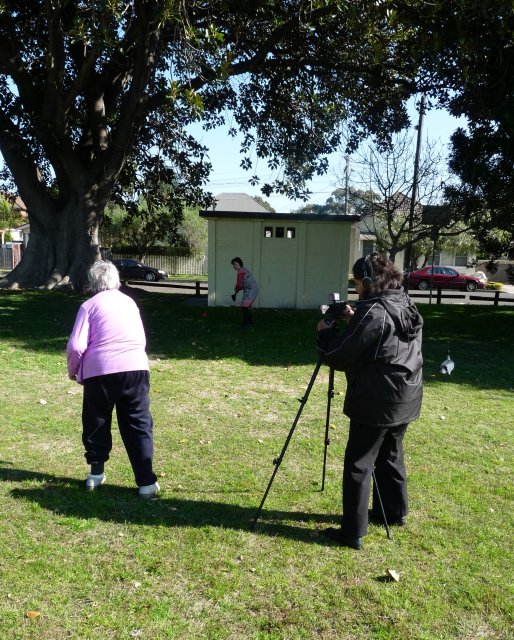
(278, 461)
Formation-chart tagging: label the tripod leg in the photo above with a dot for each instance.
(330, 395)
(389, 536)
(277, 462)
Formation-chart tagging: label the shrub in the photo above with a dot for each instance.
(495, 286)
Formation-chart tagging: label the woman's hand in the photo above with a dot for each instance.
(348, 313)
(323, 324)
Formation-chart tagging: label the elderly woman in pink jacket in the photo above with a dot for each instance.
(106, 355)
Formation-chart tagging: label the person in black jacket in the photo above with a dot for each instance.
(380, 353)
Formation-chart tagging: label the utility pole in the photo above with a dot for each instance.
(347, 176)
(408, 249)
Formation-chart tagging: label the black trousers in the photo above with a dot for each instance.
(381, 448)
(247, 317)
(129, 393)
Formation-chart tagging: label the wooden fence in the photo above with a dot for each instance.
(10, 256)
(199, 288)
(487, 296)
(437, 296)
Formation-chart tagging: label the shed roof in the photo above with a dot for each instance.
(297, 217)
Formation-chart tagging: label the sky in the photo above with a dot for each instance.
(227, 176)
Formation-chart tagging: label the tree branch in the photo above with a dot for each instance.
(23, 168)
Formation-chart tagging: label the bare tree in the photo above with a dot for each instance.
(387, 174)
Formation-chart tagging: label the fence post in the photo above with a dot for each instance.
(496, 298)
(197, 287)
(439, 295)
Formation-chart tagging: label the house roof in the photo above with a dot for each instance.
(16, 202)
(237, 202)
(243, 207)
(19, 205)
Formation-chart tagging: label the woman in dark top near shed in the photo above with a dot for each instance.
(380, 353)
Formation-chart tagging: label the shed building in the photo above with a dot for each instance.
(297, 259)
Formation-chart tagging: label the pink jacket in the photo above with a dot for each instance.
(108, 337)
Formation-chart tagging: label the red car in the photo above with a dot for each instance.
(443, 278)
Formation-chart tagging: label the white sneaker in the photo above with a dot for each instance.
(149, 490)
(92, 481)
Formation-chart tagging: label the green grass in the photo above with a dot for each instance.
(188, 278)
(107, 565)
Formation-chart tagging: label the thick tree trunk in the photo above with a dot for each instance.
(62, 245)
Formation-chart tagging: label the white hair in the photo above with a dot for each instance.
(103, 276)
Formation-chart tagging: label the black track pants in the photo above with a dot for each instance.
(368, 447)
(128, 392)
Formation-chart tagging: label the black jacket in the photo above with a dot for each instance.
(380, 352)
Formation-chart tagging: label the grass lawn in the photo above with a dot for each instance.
(108, 565)
(187, 278)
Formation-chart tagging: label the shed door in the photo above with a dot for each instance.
(279, 259)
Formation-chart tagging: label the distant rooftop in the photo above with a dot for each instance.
(240, 202)
(243, 206)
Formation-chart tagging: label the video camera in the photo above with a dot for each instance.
(333, 311)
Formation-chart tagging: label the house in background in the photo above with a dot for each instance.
(297, 259)
(18, 207)
(462, 262)
(22, 233)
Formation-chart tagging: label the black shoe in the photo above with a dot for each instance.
(336, 535)
(377, 518)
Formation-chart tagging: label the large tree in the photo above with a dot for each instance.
(95, 95)
(90, 89)
(469, 47)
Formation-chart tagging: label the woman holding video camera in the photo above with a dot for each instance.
(380, 353)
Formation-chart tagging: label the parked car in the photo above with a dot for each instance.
(443, 278)
(134, 270)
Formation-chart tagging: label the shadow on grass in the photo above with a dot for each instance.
(478, 337)
(66, 497)
(42, 322)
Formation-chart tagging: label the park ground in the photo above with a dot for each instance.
(84, 566)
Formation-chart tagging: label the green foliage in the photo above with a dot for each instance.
(463, 243)
(96, 100)
(360, 202)
(154, 231)
(294, 78)
(5, 209)
(493, 242)
(264, 203)
(477, 74)
(459, 242)
(9, 217)
(151, 220)
(193, 232)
